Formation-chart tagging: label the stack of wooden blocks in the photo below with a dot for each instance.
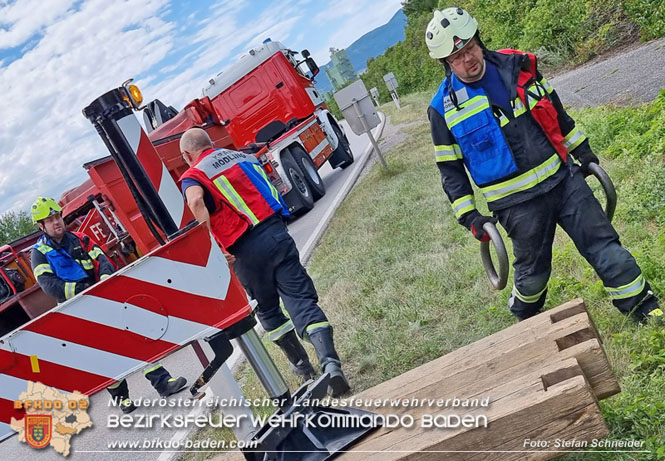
(543, 377)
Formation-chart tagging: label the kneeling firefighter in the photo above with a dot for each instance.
(66, 263)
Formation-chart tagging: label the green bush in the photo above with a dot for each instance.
(560, 33)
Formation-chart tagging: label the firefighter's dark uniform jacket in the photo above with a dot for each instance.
(507, 153)
(518, 158)
(65, 269)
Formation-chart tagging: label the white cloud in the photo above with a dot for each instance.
(19, 20)
(73, 51)
(45, 137)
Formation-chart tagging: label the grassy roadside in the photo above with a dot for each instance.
(403, 284)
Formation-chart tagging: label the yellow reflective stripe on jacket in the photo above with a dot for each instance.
(447, 153)
(262, 172)
(95, 253)
(628, 290)
(70, 289)
(41, 269)
(467, 109)
(519, 108)
(463, 205)
(549, 88)
(503, 120)
(43, 249)
(528, 298)
(104, 276)
(280, 331)
(524, 181)
(86, 264)
(234, 198)
(573, 139)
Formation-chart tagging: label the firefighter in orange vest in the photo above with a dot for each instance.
(497, 116)
(66, 263)
(232, 194)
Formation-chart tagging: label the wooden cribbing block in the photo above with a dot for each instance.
(555, 402)
(523, 346)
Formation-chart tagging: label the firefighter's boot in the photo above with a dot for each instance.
(162, 381)
(120, 393)
(297, 355)
(322, 340)
(648, 309)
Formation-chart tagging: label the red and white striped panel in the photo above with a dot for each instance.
(155, 169)
(179, 292)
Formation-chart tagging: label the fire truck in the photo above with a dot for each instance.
(268, 103)
(265, 104)
(173, 287)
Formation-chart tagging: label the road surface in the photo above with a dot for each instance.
(93, 443)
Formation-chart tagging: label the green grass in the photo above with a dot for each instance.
(403, 283)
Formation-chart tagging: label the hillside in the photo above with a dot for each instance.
(370, 45)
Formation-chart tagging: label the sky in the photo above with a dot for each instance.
(57, 56)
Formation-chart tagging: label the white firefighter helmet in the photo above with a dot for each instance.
(448, 31)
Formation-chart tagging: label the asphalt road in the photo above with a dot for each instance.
(92, 443)
(627, 78)
(630, 77)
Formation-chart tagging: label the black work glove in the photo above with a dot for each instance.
(585, 159)
(80, 286)
(477, 224)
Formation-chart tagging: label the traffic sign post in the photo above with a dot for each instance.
(375, 95)
(391, 83)
(356, 105)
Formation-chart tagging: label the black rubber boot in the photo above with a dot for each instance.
(648, 309)
(173, 386)
(120, 393)
(322, 340)
(162, 381)
(297, 355)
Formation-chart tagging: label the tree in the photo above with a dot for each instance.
(14, 225)
(416, 7)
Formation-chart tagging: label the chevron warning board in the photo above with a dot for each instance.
(179, 292)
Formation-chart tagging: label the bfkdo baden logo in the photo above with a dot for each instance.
(51, 417)
(38, 430)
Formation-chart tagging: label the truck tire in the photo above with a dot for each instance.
(302, 197)
(342, 156)
(312, 176)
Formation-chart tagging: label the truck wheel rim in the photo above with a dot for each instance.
(309, 170)
(299, 182)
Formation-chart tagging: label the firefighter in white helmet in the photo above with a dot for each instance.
(498, 118)
(66, 263)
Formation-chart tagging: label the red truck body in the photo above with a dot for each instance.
(264, 98)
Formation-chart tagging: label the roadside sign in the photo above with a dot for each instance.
(358, 110)
(390, 80)
(356, 92)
